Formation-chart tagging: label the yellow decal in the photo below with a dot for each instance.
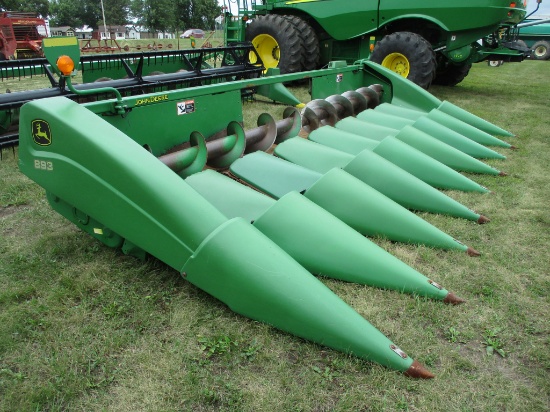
(152, 99)
(41, 134)
(98, 231)
(59, 41)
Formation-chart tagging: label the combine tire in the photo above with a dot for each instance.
(310, 43)
(277, 42)
(407, 54)
(450, 74)
(521, 44)
(541, 50)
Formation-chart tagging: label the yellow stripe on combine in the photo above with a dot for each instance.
(300, 1)
(59, 41)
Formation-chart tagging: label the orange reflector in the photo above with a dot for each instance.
(513, 4)
(65, 65)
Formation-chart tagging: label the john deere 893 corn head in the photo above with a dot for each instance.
(173, 174)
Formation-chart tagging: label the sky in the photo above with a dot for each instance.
(544, 9)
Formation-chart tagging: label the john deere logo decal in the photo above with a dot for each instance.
(41, 133)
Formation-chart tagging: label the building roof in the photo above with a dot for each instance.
(61, 28)
(113, 28)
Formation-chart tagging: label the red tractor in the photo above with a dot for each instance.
(21, 35)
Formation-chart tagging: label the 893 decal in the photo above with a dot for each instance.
(43, 165)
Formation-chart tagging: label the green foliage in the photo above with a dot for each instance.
(175, 15)
(217, 345)
(453, 335)
(88, 12)
(493, 343)
(161, 15)
(66, 13)
(41, 7)
(116, 12)
(326, 373)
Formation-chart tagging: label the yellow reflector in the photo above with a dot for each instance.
(65, 65)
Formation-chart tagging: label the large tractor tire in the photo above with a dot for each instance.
(520, 44)
(407, 54)
(310, 43)
(449, 74)
(541, 50)
(277, 42)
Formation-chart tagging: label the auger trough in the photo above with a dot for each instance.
(132, 74)
(174, 175)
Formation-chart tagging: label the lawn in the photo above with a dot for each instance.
(84, 327)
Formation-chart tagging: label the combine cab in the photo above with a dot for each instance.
(21, 35)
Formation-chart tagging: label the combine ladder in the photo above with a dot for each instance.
(235, 25)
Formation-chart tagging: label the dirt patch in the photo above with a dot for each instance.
(9, 210)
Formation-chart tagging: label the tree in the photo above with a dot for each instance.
(41, 7)
(116, 11)
(77, 13)
(66, 13)
(205, 13)
(175, 14)
(159, 15)
(197, 13)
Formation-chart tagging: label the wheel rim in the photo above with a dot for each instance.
(268, 50)
(397, 63)
(540, 51)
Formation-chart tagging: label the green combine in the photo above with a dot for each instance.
(429, 41)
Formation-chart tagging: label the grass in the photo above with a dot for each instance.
(83, 327)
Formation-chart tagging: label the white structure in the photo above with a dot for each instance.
(84, 32)
(62, 31)
(132, 32)
(166, 35)
(112, 32)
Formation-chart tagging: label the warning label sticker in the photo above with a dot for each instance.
(186, 107)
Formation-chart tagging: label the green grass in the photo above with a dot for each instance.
(83, 327)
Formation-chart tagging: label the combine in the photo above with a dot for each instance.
(428, 41)
(174, 175)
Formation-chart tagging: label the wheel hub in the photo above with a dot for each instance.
(397, 63)
(268, 49)
(540, 51)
